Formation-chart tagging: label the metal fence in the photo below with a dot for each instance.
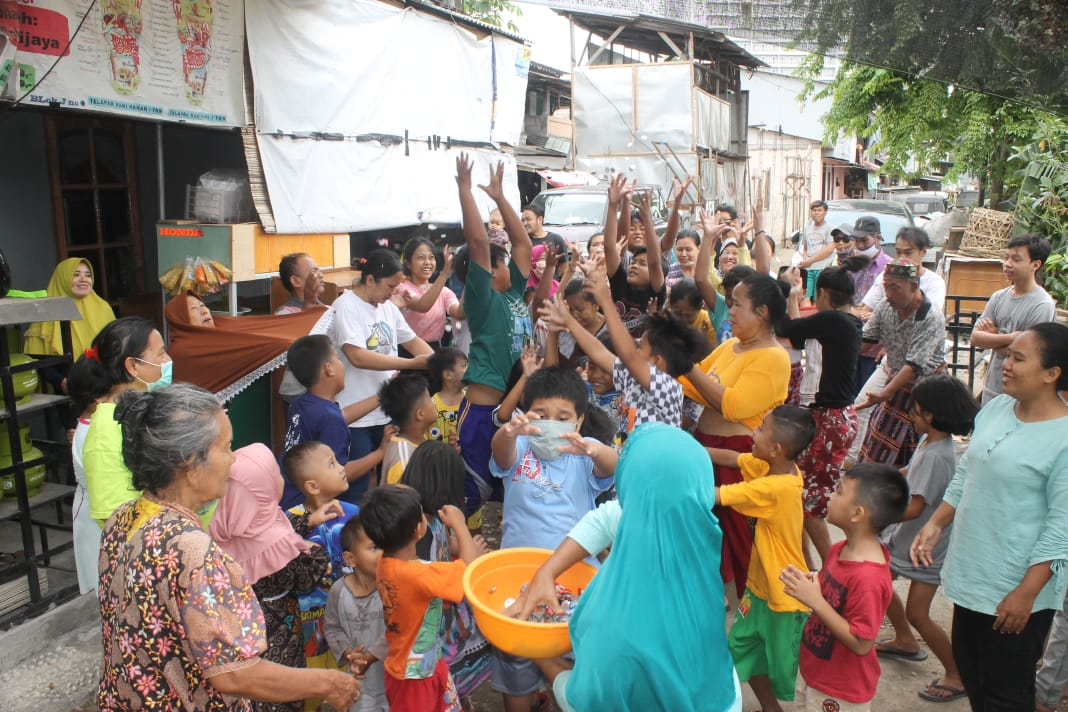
(959, 325)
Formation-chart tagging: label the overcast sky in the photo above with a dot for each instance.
(548, 33)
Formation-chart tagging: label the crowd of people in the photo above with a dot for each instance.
(675, 409)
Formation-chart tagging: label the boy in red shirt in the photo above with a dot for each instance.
(412, 591)
(838, 665)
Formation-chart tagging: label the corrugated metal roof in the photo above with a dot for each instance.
(462, 19)
(641, 31)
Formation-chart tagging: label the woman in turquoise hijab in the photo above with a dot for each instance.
(649, 632)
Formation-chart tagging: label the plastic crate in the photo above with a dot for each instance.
(208, 205)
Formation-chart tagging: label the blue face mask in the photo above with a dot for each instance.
(545, 443)
(166, 373)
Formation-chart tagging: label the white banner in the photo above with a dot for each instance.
(168, 60)
(349, 186)
(357, 102)
(355, 67)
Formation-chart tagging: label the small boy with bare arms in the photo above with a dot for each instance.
(849, 597)
(766, 634)
(412, 591)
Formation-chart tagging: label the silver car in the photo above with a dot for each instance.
(578, 213)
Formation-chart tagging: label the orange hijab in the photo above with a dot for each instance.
(239, 350)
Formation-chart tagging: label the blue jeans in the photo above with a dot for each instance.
(362, 441)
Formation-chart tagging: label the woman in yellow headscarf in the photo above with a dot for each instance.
(72, 278)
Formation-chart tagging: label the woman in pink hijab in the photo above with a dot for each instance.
(538, 267)
(279, 563)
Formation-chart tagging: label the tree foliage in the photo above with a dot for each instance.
(915, 124)
(493, 12)
(1008, 48)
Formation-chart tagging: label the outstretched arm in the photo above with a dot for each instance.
(478, 245)
(761, 248)
(559, 318)
(424, 303)
(703, 268)
(517, 234)
(675, 219)
(652, 245)
(617, 191)
(541, 293)
(622, 341)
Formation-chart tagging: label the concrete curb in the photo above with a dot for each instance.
(30, 638)
(52, 663)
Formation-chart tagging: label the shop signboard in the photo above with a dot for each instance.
(166, 60)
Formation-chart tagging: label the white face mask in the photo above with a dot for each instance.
(869, 251)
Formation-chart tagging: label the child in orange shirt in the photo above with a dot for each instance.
(412, 591)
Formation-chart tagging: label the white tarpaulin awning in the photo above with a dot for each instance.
(357, 102)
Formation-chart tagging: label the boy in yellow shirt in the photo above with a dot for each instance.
(407, 402)
(765, 640)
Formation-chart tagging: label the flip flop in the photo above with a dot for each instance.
(884, 650)
(955, 693)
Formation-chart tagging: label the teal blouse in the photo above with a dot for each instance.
(1010, 491)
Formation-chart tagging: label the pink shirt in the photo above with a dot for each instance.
(429, 326)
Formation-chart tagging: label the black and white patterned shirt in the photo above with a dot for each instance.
(661, 403)
(918, 341)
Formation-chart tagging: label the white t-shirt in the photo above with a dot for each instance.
(816, 238)
(379, 329)
(931, 283)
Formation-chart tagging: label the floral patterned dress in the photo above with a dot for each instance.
(175, 610)
(277, 594)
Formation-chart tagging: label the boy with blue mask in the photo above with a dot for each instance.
(552, 476)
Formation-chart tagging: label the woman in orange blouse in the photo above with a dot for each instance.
(744, 378)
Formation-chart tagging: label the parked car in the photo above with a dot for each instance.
(577, 213)
(892, 216)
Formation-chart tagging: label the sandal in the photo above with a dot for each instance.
(948, 694)
(884, 650)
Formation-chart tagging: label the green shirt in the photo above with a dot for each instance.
(500, 326)
(109, 482)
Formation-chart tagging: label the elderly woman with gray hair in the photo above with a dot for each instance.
(181, 625)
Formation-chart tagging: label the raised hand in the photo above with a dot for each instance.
(495, 189)
(797, 287)
(530, 359)
(709, 227)
(680, 188)
(463, 171)
(575, 444)
(645, 205)
(520, 424)
(555, 313)
(617, 188)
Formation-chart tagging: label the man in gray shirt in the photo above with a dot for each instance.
(1014, 309)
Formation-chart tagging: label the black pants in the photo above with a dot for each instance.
(998, 670)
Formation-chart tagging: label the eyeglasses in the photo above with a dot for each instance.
(842, 239)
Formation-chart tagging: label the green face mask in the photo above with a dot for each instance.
(546, 443)
(166, 373)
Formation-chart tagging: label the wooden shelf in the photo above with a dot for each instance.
(38, 401)
(49, 492)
